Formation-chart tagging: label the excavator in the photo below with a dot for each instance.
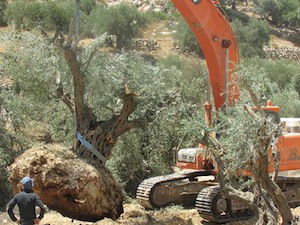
(196, 183)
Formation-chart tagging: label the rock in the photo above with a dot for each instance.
(143, 5)
(158, 10)
(141, 44)
(292, 53)
(145, 8)
(68, 184)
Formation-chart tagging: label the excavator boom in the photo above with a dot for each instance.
(218, 43)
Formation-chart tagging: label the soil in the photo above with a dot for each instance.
(136, 215)
(161, 32)
(277, 42)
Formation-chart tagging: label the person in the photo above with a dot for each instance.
(26, 200)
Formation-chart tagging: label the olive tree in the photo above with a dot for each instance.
(281, 12)
(246, 144)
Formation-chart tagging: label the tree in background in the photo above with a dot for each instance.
(96, 19)
(283, 76)
(186, 38)
(3, 5)
(125, 24)
(7, 155)
(280, 12)
(232, 3)
(251, 37)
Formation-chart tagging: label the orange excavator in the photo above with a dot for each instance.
(196, 184)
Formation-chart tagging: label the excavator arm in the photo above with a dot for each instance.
(218, 43)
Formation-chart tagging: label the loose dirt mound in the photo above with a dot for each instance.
(68, 184)
(136, 215)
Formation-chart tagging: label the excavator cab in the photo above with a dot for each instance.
(290, 125)
(192, 158)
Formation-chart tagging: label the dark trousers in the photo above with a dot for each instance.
(26, 222)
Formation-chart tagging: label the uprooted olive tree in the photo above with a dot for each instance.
(251, 136)
(245, 146)
(68, 79)
(256, 138)
(95, 85)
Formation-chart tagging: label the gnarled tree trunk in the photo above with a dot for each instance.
(102, 135)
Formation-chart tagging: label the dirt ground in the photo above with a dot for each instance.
(136, 215)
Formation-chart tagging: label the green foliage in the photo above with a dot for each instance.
(60, 123)
(8, 143)
(152, 16)
(87, 6)
(48, 16)
(3, 5)
(282, 12)
(251, 37)
(128, 163)
(289, 102)
(34, 68)
(6, 157)
(233, 14)
(123, 21)
(186, 38)
(296, 83)
(275, 80)
(167, 94)
(33, 81)
(281, 72)
(157, 142)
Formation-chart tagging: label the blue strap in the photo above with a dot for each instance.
(90, 147)
(87, 144)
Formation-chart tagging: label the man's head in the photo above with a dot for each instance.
(27, 183)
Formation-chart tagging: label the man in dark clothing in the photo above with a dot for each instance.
(26, 200)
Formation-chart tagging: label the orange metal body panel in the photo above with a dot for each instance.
(288, 148)
(210, 29)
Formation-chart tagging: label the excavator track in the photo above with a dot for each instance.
(211, 206)
(159, 191)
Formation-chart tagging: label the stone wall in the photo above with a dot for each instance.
(292, 53)
(142, 44)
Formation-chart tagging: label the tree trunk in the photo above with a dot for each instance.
(275, 192)
(233, 5)
(103, 135)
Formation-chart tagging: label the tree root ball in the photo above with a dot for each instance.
(68, 184)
